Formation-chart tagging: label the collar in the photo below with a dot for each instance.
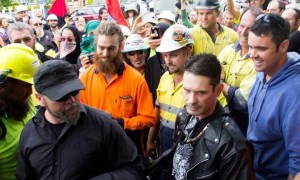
(237, 47)
(119, 71)
(40, 119)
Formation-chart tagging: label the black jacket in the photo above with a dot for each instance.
(220, 153)
(96, 147)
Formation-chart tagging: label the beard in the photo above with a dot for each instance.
(14, 109)
(70, 119)
(111, 65)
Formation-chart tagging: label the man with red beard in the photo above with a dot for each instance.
(17, 67)
(115, 87)
(68, 140)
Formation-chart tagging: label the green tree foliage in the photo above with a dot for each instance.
(5, 3)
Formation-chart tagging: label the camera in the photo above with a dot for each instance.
(91, 57)
(155, 30)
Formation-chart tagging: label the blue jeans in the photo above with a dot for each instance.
(165, 139)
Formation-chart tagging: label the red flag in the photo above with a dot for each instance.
(114, 10)
(59, 8)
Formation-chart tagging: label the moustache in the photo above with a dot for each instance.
(70, 106)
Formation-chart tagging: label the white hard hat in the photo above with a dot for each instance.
(21, 8)
(166, 14)
(125, 30)
(175, 37)
(52, 17)
(149, 17)
(130, 7)
(135, 42)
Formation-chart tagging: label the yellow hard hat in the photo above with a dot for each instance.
(18, 61)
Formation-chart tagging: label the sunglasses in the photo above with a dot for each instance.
(3, 75)
(38, 24)
(132, 53)
(271, 20)
(68, 39)
(66, 97)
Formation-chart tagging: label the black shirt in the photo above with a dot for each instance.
(96, 147)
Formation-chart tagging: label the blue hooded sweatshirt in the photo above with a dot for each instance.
(274, 122)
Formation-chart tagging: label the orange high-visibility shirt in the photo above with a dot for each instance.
(127, 96)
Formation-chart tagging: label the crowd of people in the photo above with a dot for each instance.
(206, 93)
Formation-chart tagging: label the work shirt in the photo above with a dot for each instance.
(9, 146)
(204, 44)
(127, 96)
(237, 69)
(169, 99)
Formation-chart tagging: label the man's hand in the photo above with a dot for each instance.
(154, 43)
(25, 19)
(85, 61)
(151, 150)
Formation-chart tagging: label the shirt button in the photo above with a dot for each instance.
(180, 113)
(206, 155)
(226, 124)
(216, 139)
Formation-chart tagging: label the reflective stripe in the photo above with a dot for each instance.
(169, 108)
(167, 123)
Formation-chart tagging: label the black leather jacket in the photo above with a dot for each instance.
(220, 153)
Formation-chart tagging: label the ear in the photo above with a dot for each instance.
(41, 99)
(189, 50)
(298, 23)
(218, 89)
(127, 56)
(284, 46)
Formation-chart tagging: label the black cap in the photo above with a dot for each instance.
(178, 5)
(55, 79)
(207, 4)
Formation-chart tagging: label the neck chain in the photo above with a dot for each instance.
(190, 140)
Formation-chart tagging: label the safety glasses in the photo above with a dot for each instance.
(132, 53)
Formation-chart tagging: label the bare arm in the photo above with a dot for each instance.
(234, 11)
(153, 133)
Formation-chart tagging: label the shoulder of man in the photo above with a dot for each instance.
(231, 128)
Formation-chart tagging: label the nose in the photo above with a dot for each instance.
(71, 99)
(105, 52)
(23, 42)
(252, 53)
(190, 98)
(167, 60)
(244, 31)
